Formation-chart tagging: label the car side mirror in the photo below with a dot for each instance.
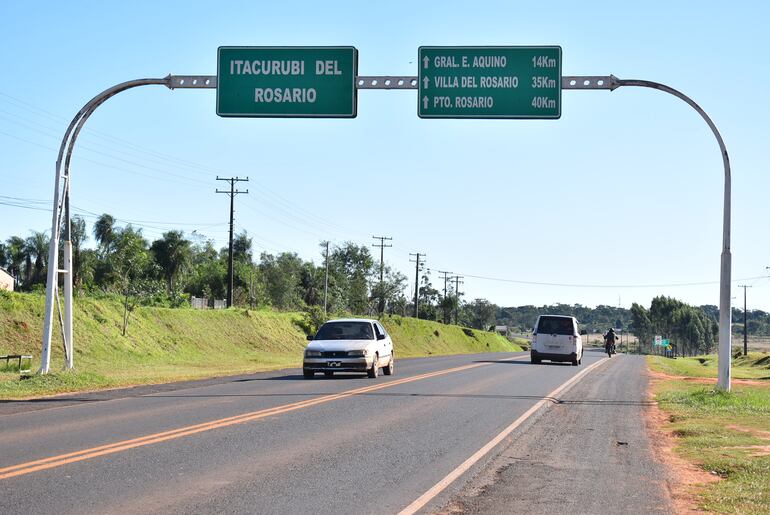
(310, 337)
(380, 336)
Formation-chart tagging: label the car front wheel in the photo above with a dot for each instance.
(375, 370)
(389, 369)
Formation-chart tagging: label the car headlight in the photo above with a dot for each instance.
(358, 353)
(312, 353)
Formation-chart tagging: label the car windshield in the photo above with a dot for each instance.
(555, 325)
(345, 331)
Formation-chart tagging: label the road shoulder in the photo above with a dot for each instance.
(590, 452)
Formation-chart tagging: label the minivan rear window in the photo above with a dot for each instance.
(555, 325)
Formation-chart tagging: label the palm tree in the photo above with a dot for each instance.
(78, 236)
(15, 255)
(104, 232)
(36, 247)
(172, 253)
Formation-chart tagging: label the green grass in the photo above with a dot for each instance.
(756, 365)
(723, 433)
(416, 338)
(164, 344)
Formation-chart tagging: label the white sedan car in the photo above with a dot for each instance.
(349, 345)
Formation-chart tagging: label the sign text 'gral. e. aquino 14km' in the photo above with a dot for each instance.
(278, 82)
(489, 82)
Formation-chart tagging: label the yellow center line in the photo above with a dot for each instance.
(123, 445)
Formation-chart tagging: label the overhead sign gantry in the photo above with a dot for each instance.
(322, 82)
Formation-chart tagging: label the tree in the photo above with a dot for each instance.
(36, 248)
(104, 232)
(392, 290)
(172, 254)
(16, 256)
(281, 275)
(480, 314)
(428, 299)
(351, 267)
(242, 248)
(78, 236)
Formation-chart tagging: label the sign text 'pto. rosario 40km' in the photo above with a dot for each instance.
(287, 82)
(489, 82)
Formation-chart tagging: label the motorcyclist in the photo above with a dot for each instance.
(609, 341)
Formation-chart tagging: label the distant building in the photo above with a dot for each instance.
(501, 329)
(6, 280)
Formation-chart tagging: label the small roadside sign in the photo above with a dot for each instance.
(279, 82)
(489, 82)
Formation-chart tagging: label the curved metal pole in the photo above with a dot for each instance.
(53, 251)
(725, 278)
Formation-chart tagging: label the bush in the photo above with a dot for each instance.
(312, 319)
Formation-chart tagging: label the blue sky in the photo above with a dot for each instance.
(624, 190)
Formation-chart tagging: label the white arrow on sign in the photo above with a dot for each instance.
(425, 82)
(424, 102)
(425, 62)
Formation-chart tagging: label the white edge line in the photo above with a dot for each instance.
(439, 487)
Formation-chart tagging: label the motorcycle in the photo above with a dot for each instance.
(609, 348)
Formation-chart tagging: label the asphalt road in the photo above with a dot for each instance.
(276, 443)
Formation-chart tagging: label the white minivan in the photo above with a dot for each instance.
(556, 338)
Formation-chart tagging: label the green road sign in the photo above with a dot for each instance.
(276, 82)
(489, 82)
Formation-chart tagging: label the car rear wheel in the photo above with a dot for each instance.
(374, 371)
(388, 371)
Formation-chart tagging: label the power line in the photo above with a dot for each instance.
(573, 285)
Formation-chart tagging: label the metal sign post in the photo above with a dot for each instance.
(453, 82)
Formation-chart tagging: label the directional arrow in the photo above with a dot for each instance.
(424, 102)
(425, 82)
(425, 62)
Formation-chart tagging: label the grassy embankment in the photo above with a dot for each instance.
(727, 434)
(164, 345)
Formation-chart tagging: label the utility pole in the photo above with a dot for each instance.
(381, 245)
(745, 328)
(446, 278)
(233, 192)
(458, 282)
(326, 279)
(417, 267)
